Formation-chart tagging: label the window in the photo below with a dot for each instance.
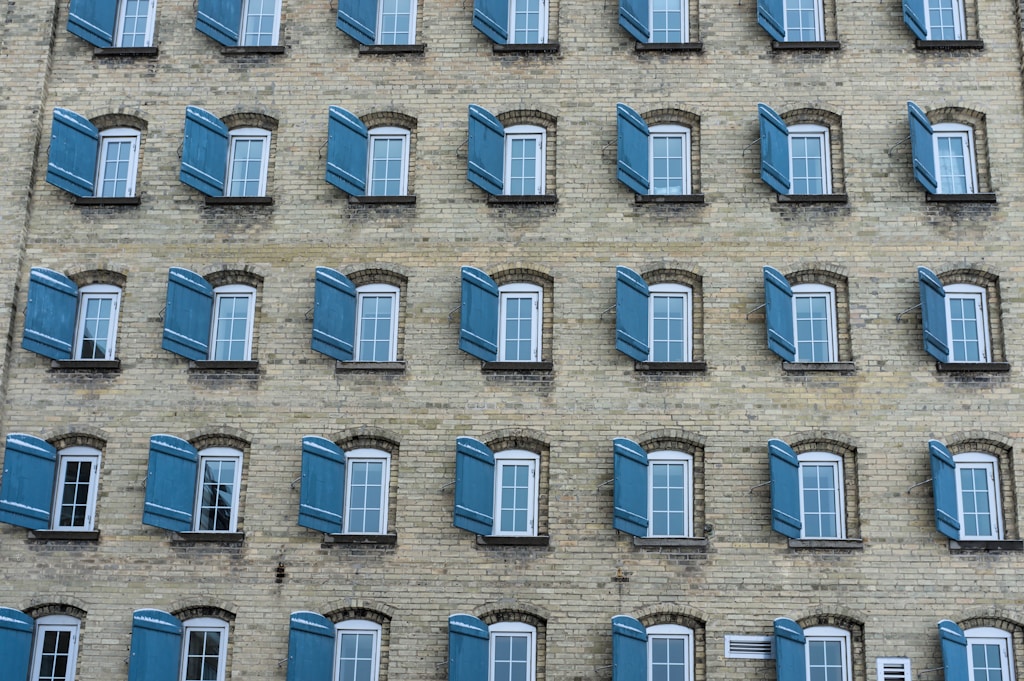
(513, 651)
(231, 340)
(509, 161)
(808, 491)
(223, 162)
(119, 154)
(55, 649)
(512, 22)
(944, 154)
(204, 649)
(357, 645)
(366, 491)
(524, 160)
(828, 654)
(206, 323)
(670, 156)
(496, 493)
(977, 487)
(669, 653)
(260, 22)
(501, 323)
(389, 161)
(384, 22)
(654, 491)
(670, 315)
(353, 323)
(935, 19)
(653, 160)
(814, 312)
(515, 493)
(821, 496)
(654, 322)
(503, 651)
(247, 165)
(519, 325)
(803, 320)
(88, 163)
(799, 21)
(220, 470)
(135, 19)
(344, 492)
(366, 162)
(955, 319)
(989, 654)
(96, 329)
(795, 159)
(124, 24)
(661, 22)
(247, 23)
(195, 649)
(377, 311)
(345, 650)
(74, 500)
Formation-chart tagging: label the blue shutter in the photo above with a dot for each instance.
(188, 314)
(914, 16)
(322, 496)
(774, 149)
(468, 645)
(93, 21)
(16, 643)
(310, 647)
(933, 314)
(358, 19)
(334, 315)
(347, 144)
(474, 486)
(50, 314)
(490, 17)
(634, 16)
(26, 491)
(486, 162)
(778, 314)
(204, 153)
(790, 656)
(170, 483)
(947, 504)
(630, 487)
(156, 646)
(921, 148)
(221, 20)
(771, 16)
(785, 475)
(632, 327)
(629, 649)
(634, 153)
(954, 652)
(74, 144)
(478, 334)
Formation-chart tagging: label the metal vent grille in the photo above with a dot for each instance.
(893, 669)
(750, 647)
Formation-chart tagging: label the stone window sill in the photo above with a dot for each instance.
(208, 366)
(828, 544)
(980, 197)
(125, 52)
(107, 200)
(990, 545)
(239, 201)
(809, 45)
(816, 367)
(369, 367)
(99, 366)
(813, 198)
(518, 367)
(207, 537)
(252, 49)
(670, 198)
(949, 44)
(392, 49)
(526, 48)
(973, 367)
(692, 543)
(503, 199)
(382, 200)
(337, 539)
(671, 367)
(90, 536)
(498, 540)
(670, 47)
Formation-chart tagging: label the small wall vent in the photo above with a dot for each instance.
(893, 669)
(750, 647)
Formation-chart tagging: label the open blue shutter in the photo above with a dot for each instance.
(774, 149)
(771, 16)
(478, 334)
(486, 157)
(629, 649)
(921, 148)
(220, 19)
(188, 314)
(170, 483)
(954, 652)
(914, 16)
(156, 646)
(93, 21)
(634, 16)
(50, 314)
(468, 645)
(322, 496)
(16, 643)
(630, 487)
(474, 486)
(74, 144)
(778, 315)
(310, 647)
(347, 144)
(784, 468)
(933, 314)
(790, 655)
(204, 153)
(358, 19)
(490, 17)
(634, 154)
(632, 327)
(26, 491)
(334, 315)
(947, 504)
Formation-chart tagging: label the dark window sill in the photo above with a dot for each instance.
(671, 367)
(385, 539)
(949, 44)
(963, 545)
(813, 198)
(981, 197)
(207, 537)
(369, 367)
(239, 201)
(392, 49)
(670, 198)
(973, 367)
(64, 535)
(693, 543)
(518, 367)
(521, 198)
(107, 200)
(252, 49)
(523, 48)
(382, 200)
(93, 365)
(848, 544)
(247, 366)
(670, 47)
(815, 367)
(500, 540)
(811, 45)
(125, 52)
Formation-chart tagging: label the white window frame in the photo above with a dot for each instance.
(990, 464)
(517, 457)
(388, 133)
(836, 462)
(672, 291)
(667, 131)
(521, 132)
(58, 623)
(980, 298)
(108, 136)
(377, 291)
(363, 456)
(233, 291)
(958, 20)
(276, 34)
(966, 135)
(205, 624)
(76, 455)
(991, 636)
(218, 454)
(412, 23)
(542, 28)
(521, 290)
(515, 629)
(816, 291)
(684, 11)
(357, 627)
(122, 8)
(246, 134)
(821, 133)
(670, 631)
(829, 634)
(819, 22)
(686, 461)
(97, 292)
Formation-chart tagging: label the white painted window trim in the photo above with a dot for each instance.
(276, 34)
(978, 295)
(829, 634)
(836, 462)
(517, 629)
(966, 134)
(362, 456)
(684, 10)
(357, 627)
(814, 291)
(991, 636)
(378, 291)
(821, 133)
(388, 133)
(118, 135)
(672, 291)
(665, 131)
(819, 23)
(989, 463)
(958, 20)
(91, 292)
(243, 134)
(232, 291)
(122, 8)
(517, 457)
(521, 290)
(64, 457)
(55, 623)
(205, 624)
(218, 454)
(412, 22)
(542, 29)
(671, 457)
(670, 631)
(518, 132)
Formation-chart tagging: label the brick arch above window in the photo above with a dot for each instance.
(78, 439)
(194, 611)
(221, 438)
(379, 119)
(517, 438)
(98, 276)
(393, 276)
(513, 610)
(120, 120)
(250, 119)
(55, 608)
(353, 612)
(368, 438)
(226, 276)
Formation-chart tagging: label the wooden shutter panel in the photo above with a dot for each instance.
(16, 643)
(632, 326)
(954, 652)
(474, 486)
(947, 504)
(790, 656)
(778, 315)
(170, 483)
(490, 17)
(26, 491)
(221, 20)
(204, 153)
(629, 649)
(310, 647)
(74, 144)
(50, 314)
(322, 495)
(914, 12)
(94, 21)
(478, 332)
(785, 477)
(156, 646)
(188, 314)
(771, 16)
(334, 315)
(634, 152)
(921, 148)
(468, 645)
(347, 144)
(933, 314)
(630, 487)
(358, 20)
(634, 16)
(486, 155)
(774, 149)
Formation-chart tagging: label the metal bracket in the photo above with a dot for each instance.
(450, 484)
(295, 481)
(607, 310)
(452, 312)
(756, 141)
(763, 484)
(900, 315)
(919, 484)
(606, 483)
(893, 147)
(755, 310)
